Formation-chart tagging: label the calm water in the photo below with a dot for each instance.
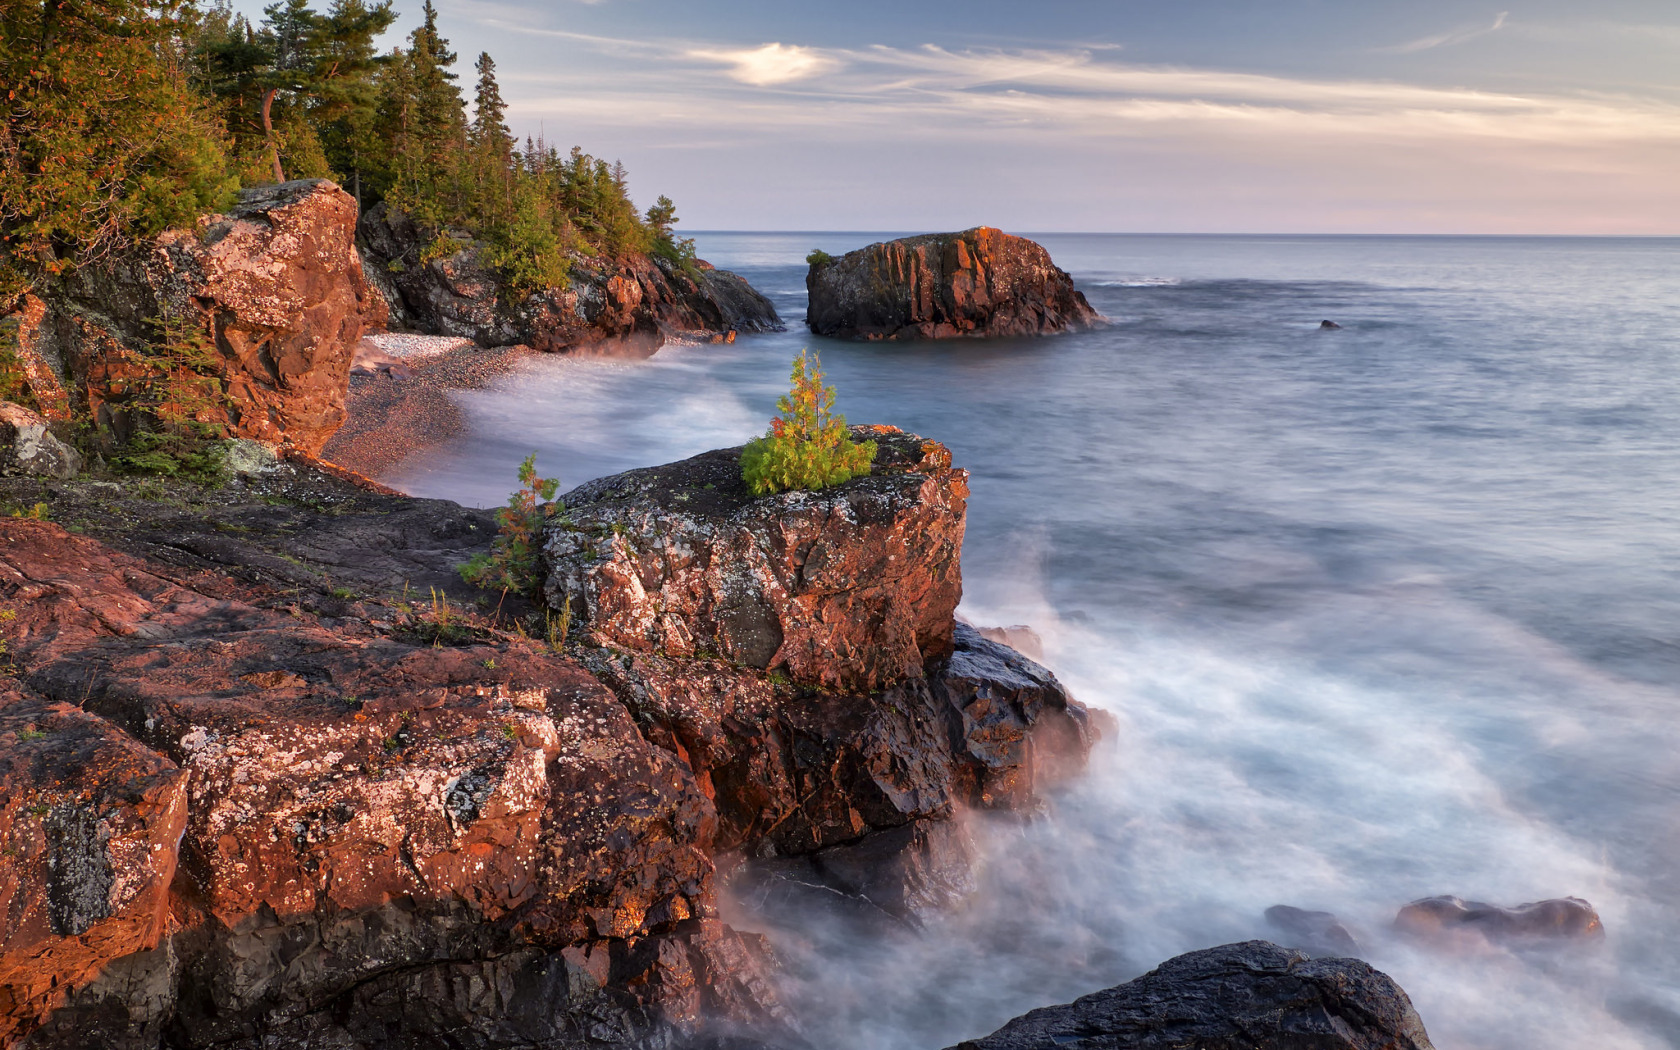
(1384, 612)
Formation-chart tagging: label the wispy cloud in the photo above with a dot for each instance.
(770, 63)
(1455, 36)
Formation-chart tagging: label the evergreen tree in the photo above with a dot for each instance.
(489, 128)
(102, 139)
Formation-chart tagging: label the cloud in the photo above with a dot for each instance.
(1451, 37)
(771, 63)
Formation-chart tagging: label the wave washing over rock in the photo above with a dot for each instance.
(253, 800)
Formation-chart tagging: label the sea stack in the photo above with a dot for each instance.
(980, 282)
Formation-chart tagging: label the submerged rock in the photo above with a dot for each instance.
(1248, 996)
(1318, 933)
(852, 587)
(980, 282)
(275, 286)
(28, 447)
(628, 305)
(1566, 918)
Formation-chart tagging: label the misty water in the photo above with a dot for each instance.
(1383, 612)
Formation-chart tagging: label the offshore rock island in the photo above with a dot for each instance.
(980, 282)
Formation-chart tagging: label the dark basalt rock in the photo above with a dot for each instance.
(1248, 996)
(1566, 918)
(980, 282)
(624, 306)
(1318, 933)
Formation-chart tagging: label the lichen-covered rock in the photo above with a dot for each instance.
(28, 447)
(1248, 996)
(980, 282)
(628, 305)
(276, 286)
(89, 818)
(852, 587)
(381, 843)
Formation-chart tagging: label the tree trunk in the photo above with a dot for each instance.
(268, 133)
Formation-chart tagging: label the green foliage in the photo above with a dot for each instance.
(102, 139)
(818, 257)
(511, 562)
(179, 410)
(807, 447)
(14, 381)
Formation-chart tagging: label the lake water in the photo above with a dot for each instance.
(1383, 612)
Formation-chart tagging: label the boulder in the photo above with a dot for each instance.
(626, 305)
(1318, 933)
(1448, 918)
(273, 288)
(1248, 996)
(852, 587)
(28, 447)
(980, 282)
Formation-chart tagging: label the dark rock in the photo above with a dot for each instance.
(275, 283)
(1567, 918)
(28, 447)
(1248, 996)
(1013, 722)
(896, 876)
(624, 306)
(1318, 933)
(980, 282)
(1328, 325)
(852, 587)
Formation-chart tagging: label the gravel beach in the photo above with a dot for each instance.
(399, 403)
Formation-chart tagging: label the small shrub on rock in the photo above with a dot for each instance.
(511, 563)
(818, 257)
(808, 446)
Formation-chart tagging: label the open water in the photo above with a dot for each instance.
(1383, 612)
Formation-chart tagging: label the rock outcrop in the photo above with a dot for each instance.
(252, 799)
(980, 282)
(852, 587)
(1448, 918)
(1318, 933)
(629, 305)
(1248, 996)
(28, 447)
(272, 291)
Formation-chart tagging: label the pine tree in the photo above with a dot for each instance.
(489, 128)
(94, 153)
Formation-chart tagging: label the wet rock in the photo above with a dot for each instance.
(1013, 725)
(1248, 996)
(1318, 933)
(624, 306)
(274, 285)
(1438, 918)
(897, 876)
(980, 282)
(28, 447)
(1328, 325)
(852, 587)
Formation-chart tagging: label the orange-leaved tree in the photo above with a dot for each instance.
(808, 446)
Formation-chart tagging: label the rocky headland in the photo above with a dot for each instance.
(980, 282)
(629, 305)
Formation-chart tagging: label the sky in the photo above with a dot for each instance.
(1208, 116)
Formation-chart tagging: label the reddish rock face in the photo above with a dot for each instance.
(356, 820)
(981, 282)
(852, 587)
(1450, 919)
(275, 283)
